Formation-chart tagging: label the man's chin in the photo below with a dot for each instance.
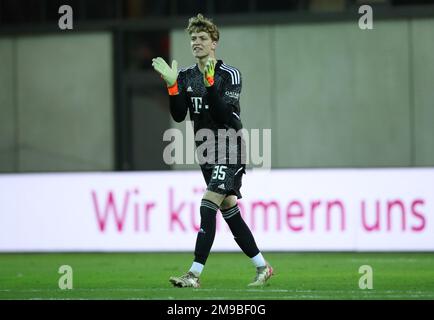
(201, 56)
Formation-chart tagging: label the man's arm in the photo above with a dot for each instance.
(178, 104)
(221, 111)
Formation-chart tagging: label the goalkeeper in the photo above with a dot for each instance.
(210, 91)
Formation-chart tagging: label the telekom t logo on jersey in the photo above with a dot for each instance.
(197, 103)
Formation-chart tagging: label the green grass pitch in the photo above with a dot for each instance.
(145, 276)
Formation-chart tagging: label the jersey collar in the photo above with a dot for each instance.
(218, 64)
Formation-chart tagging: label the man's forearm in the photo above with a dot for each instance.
(178, 107)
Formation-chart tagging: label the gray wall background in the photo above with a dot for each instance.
(334, 95)
(56, 103)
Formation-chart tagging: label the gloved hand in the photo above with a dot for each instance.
(167, 73)
(208, 72)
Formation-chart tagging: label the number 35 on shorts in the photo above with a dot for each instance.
(219, 172)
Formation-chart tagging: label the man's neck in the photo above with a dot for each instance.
(201, 62)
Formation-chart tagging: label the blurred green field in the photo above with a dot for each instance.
(145, 276)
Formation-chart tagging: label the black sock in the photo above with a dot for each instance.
(242, 234)
(206, 234)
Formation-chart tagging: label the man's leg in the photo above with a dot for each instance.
(241, 232)
(244, 238)
(205, 237)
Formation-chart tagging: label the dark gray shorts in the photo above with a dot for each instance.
(224, 179)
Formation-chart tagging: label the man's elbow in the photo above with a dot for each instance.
(178, 118)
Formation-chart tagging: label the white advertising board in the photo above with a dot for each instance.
(287, 210)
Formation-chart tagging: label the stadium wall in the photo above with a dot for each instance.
(56, 103)
(288, 210)
(333, 94)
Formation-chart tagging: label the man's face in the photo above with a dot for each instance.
(201, 44)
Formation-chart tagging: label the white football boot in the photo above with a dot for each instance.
(185, 281)
(262, 275)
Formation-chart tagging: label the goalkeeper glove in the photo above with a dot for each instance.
(209, 71)
(167, 73)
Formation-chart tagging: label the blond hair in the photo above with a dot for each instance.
(199, 23)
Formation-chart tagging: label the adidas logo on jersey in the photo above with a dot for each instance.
(222, 186)
(189, 89)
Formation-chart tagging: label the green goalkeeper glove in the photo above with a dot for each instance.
(209, 71)
(167, 73)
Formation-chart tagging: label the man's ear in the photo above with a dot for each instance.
(214, 44)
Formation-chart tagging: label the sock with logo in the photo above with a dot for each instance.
(206, 234)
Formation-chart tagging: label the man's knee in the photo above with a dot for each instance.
(228, 202)
(214, 197)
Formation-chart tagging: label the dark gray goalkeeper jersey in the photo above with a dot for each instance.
(214, 108)
(227, 81)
